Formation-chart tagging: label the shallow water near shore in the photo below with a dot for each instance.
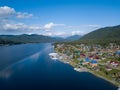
(29, 67)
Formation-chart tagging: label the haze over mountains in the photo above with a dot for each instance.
(33, 38)
(102, 35)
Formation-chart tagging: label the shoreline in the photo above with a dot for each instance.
(92, 72)
(102, 77)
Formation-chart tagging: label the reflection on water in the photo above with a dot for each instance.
(38, 72)
(35, 56)
(7, 72)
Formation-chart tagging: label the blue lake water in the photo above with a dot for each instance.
(29, 67)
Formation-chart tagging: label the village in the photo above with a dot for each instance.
(102, 61)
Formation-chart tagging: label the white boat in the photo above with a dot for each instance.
(77, 69)
(53, 56)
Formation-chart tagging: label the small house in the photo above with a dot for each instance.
(87, 60)
(114, 63)
(93, 63)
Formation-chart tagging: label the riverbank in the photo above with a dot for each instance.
(85, 69)
(102, 77)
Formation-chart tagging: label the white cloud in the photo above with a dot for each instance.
(92, 26)
(62, 34)
(68, 30)
(83, 29)
(57, 33)
(9, 23)
(8, 26)
(6, 12)
(19, 27)
(85, 26)
(48, 34)
(11, 26)
(9, 18)
(51, 25)
(77, 33)
(23, 15)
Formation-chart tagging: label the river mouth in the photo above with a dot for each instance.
(39, 72)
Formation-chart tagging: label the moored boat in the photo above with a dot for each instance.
(77, 69)
(53, 56)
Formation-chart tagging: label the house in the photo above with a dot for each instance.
(87, 60)
(93, 63)
(82, 55)
(91, 56)
(114, 63)
(96, 57)
(117, 53)
(108, 68)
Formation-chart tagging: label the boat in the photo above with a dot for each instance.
(53, 56)
(77, 69)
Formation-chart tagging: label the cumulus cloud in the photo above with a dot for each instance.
(9, 18)
(51, 25)
(83, 29)
(8, 22)
(19, 26)
(6, 12)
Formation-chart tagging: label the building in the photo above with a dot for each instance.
(87, 60)
(93, 63)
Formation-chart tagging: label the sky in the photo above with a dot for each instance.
(57, 17)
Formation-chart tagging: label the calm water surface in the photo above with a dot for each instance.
(28, 67)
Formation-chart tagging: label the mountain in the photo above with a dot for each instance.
(73, 38)
(68, 39)
(24, 38)
(102, 35)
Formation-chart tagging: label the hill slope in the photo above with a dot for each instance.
(73, 38)
(16, 39)
(103, 35)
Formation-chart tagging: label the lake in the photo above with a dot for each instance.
(29, 67)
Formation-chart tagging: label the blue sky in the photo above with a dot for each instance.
(57, 17)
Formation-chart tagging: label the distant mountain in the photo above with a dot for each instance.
(73, 38)
(59, 38)
(68, 39)
(102, 35)
(24, 38)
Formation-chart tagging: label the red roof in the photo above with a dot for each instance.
(114, 62)
(91, 56)
(96, 57)
(82, 55)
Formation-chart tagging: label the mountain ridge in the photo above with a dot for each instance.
(33, 38)
(102, 35)
(25, 38)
